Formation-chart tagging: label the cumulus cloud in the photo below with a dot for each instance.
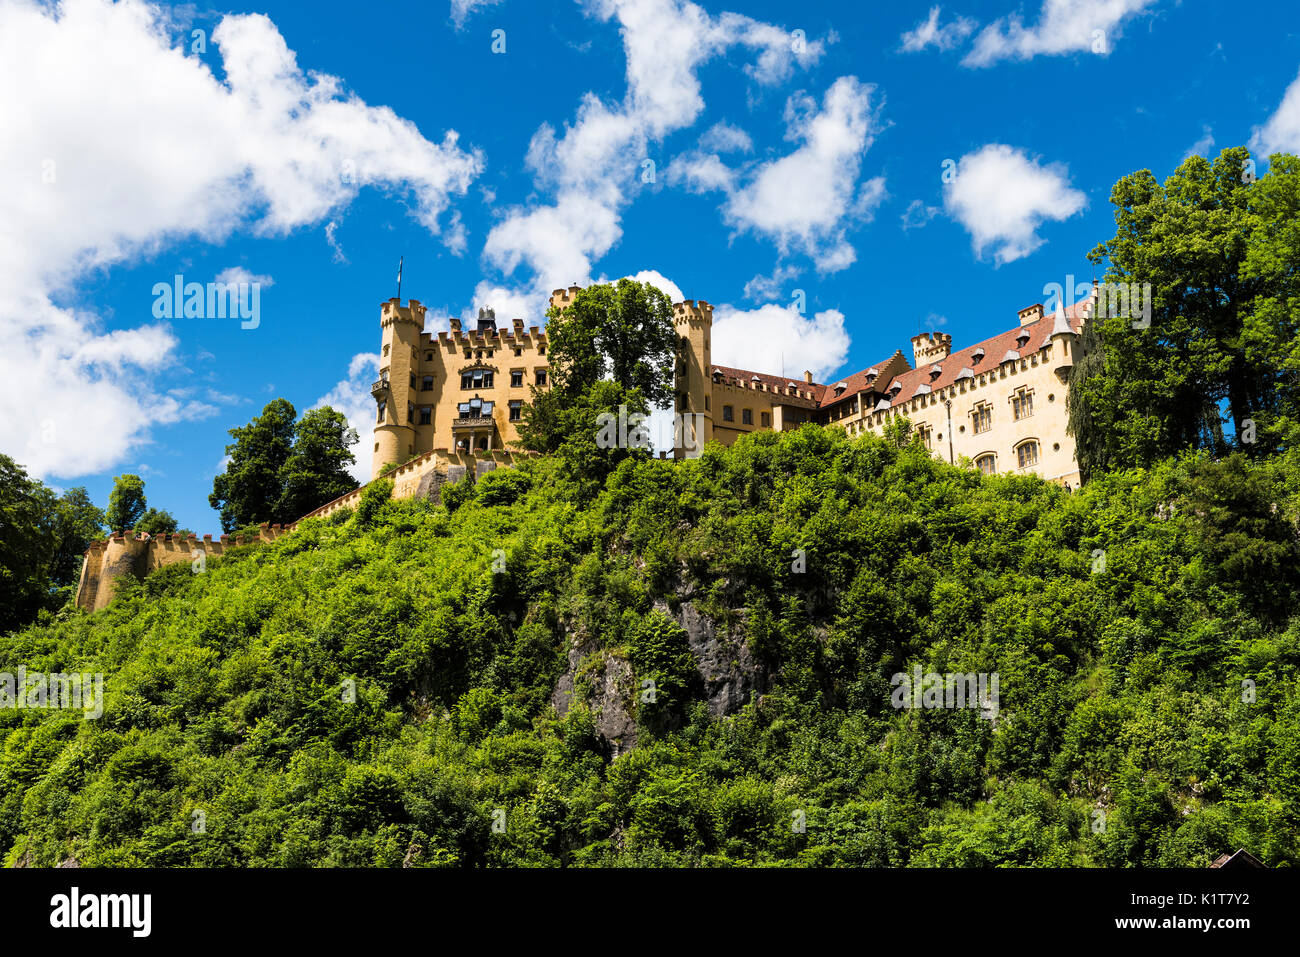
(1281, 132)
(1064, 26)
(1002, 196)
(928, 33)
(805, 200)
(725, 138)
(773, 337)
(701, 173)
(130, 145)
(593, 167)
(661, 282)
(352, 397)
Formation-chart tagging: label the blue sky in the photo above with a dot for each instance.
(308, 146)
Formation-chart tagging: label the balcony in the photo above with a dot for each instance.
(478, 422)
(379, 388)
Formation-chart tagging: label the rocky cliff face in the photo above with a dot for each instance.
(729, 674)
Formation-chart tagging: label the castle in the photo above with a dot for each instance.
(999, 403)
(447, 407)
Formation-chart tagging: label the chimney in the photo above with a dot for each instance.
(1031, 313)
(807, 377)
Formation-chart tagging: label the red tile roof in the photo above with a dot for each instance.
(774, 382)
(994, 350)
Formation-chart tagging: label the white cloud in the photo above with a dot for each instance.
(771, 337)
(594, 166)
(1281, 132)
(918, 214)
(129, 145)
(1201, 146)
(805, 200)
(238, 274)
(929, 33)
(771, 287)
(701, 173)
(725, 138)
(461, 9)
(1002, 196)
(661, 282)
(1064, 26)
(352, 397)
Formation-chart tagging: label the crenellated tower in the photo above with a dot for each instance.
(394, 394)
(694, 379)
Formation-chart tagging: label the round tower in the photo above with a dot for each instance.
(694, 380)
(394, 402)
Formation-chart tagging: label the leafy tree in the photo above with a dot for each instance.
(316, 471)
(1144, 393)
(78, 523)
(620, 334)
(279, 471)
(623, 332)
(156, 522)
(126, 503)
(28, 539)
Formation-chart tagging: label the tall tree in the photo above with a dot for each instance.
(27, 543)
(619, 334)
(279, 471)
(316, 471)
(78, 522)
(249, 490)
(126, 503)
(1145, 391)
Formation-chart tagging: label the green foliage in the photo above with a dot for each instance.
(278, 470)
(371, 689)
(126, 503)
(1219, 256)
(42, 540)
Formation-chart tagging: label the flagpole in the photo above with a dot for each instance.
(400, 261)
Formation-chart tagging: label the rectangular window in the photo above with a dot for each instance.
(516, 378)
(983, 416)
(766, 419)
(427, 384)
(727, 414)
(426, 415)
(516, 410)
(428, 357)
(477, 379)
(925, 432)
(540, 377)
(412, 380)
(410, 412)
(1022, 404)
(518, 351)
(706, 404)
(746, 416)
(383, 408)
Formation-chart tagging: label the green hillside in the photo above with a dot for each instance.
(763, 596)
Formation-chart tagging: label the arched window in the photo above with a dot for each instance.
(987, 463)
(1027, 453)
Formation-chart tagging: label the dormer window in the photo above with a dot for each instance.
(935, 372)
(977, 355)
